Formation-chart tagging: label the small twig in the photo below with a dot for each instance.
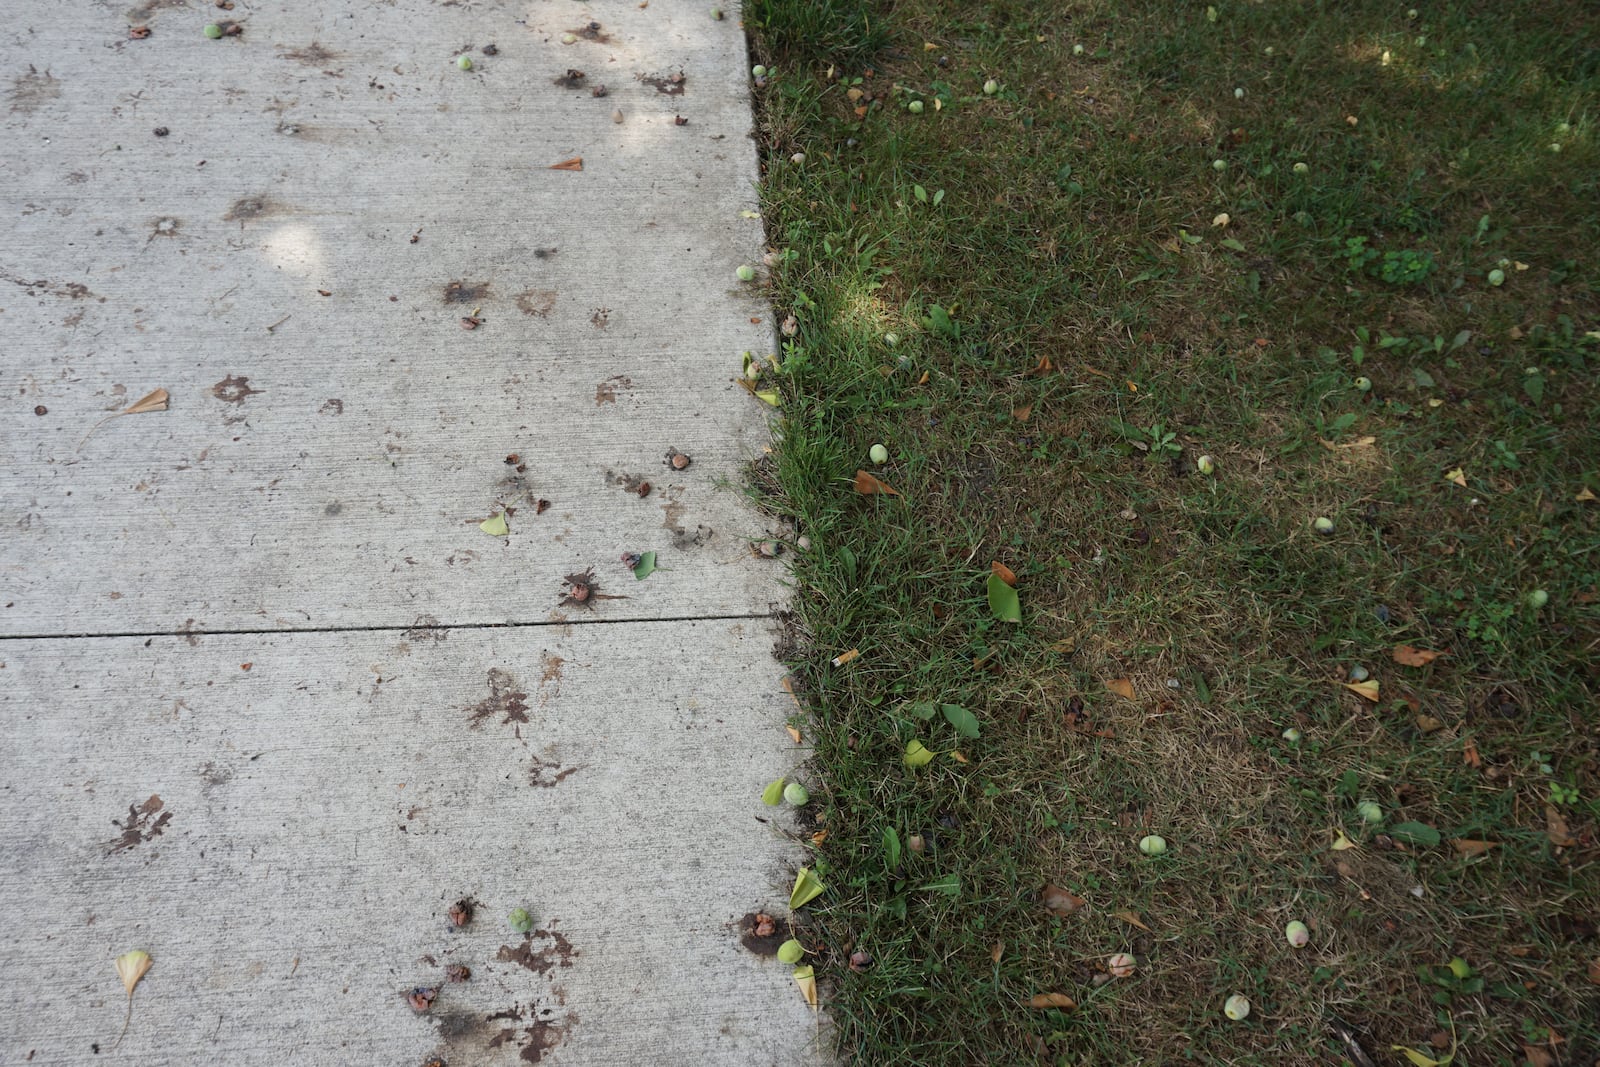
(280, 322)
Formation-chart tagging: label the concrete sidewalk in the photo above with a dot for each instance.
(273, 702)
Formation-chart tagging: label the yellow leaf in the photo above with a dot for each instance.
(929, 46)
(938, 105)
(495, 526)
(956, 755)
(1122, 687)
(1419, 1058)
(1585, 495)
(1367, 690)
(131, 966)
(806, 979)
(768, 396)
(1341, 843)
(794, 735)
(1458, 476)
(866, 485)
(807, 887)
(1131, 917)
(1052, 1000)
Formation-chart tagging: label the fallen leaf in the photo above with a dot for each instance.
(1417, 833)
(1003, 602)
(1341, 843)
(866, 485)
(956, 754)
(1469, 754)
(1059, 902)
(1428, 724)
(917, 754)
(1421, 1059)
(1095, 371)
(807, 887)
(1131, 917)
(1367, 690)
(1469, 847)
(1052, 1000)
(998, 949)
(1021, 413)
(495, 526)
(1005, 573)
(1556, 828)
(152, 401)
(769, 397)
(1044, 366)
(1457, 476)
(131, 966)
(1407, 656)
(806, 979)
(575, 163)
(1122, 687)
(818, 838)
(646, 567)
(749, 214)
(1064, 646)
(1585, 495)
(794, 734)
(1538, 1056)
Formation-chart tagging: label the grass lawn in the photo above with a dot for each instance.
(1350, 253)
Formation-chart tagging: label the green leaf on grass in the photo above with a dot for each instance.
(964, 721)
(772, 795)
(1229, 242)
(917, 754)
(923, 711)
(495, 526)
(1003, 600)
(1417, 833)
(807, 887)
(646, 567)
(769, 396)
(891, 847)
(1533, 385)
(949, 885)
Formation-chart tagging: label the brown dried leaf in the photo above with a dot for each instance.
(1004, 573)
(1428, 724)
(1059, 902)
(1538, 1056)
(1052, 1000)
(575, 163)
(1556, 827)
(1021, 412)
(794, 734)
(1122, 687)
(1469, 847)
(1407, 656)
(1469, 754)
(997, 950)
(866, 485)
(154, 401)
(1131, 917)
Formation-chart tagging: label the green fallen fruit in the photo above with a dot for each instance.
(1292, 735)
(1153, 845)
(1205, 465)
(746, 273)
(891, 339)
(791, 951)
(1323, 525)
(1497, 277)
(1364, 384)
(716, 13)
(520, 920)
(1538, 599)
(465, 62)
(1302, 168)
(878, 454)
(1219, 165)
(915, 107)
(758, 71)
(212, 30)
(796, 794)
(1236, 1007)
(1078, 49)
(991, 87)
(1370, 812)
(1297, 934)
